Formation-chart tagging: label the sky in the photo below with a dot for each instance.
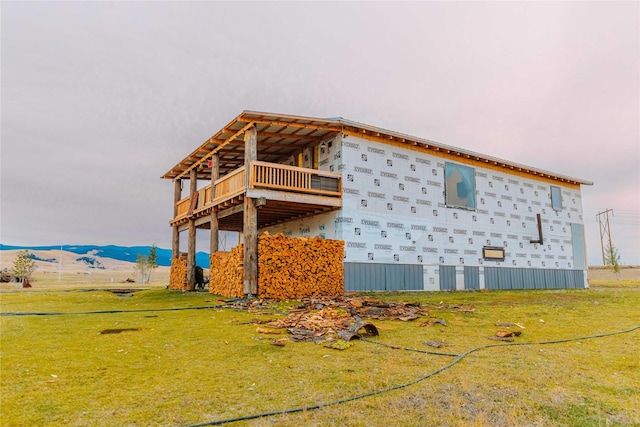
(98, 100)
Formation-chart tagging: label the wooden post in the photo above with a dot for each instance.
(175, 241)
(215, 172)
(250, 224)
(191, 250)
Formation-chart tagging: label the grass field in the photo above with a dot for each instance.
(186, 367)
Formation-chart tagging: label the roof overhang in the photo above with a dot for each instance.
(281, 136)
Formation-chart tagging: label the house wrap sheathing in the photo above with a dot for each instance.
(419, 215)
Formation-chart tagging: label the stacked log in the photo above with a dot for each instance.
(178, 274)
(225, 276)
(298, 268)
(288, 268)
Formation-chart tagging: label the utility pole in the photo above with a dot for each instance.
(605, 231)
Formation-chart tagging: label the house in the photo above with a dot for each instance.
(414, 214)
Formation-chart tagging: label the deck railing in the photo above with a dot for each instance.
(265, 175)
(182, 207)
(291, 178)
(229, 185)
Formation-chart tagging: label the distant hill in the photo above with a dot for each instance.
(121, 253)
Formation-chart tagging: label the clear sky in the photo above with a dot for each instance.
(100, 99)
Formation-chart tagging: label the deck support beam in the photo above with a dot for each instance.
(215, 174)
(191, 250)
(175, 240)
(250, 223)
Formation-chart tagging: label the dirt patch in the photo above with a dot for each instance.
(631, 272)
(118, 330)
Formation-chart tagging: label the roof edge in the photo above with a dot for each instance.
(245, 117)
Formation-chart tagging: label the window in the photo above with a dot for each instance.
(459, 186)
(556, 198)
(493, 253)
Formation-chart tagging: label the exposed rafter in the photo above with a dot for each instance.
(215, 150)
(280, 136)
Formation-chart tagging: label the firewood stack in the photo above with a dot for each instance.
(288, 268)
(297, 268)
(178, 275)
(226, 273)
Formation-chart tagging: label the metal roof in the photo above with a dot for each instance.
(281, 136)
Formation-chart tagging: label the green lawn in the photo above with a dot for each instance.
(186, 367)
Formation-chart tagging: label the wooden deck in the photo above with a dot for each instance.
(281, 192)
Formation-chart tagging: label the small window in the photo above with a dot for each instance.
(556, 198)
(460, 186)
(493, 253)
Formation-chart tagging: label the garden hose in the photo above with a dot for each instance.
(407, 384)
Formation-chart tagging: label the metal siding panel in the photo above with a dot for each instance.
(500, 277)
(578, 247)
(409, 277)
(402, 276)
(549, 279)
(381, 279)
(579, 277)
(451, 273)
(495, 277)
(471, 277)
(569, 277)
(362, 277)
(367, 278)
(574, 278)
(490, 281)
(562, 278)
(378, 277)
(524, 277)
(507, 278)
(443, 278)
(357, 278)
(416, 278)
(447, 278)
(565, 279)
(529, 278)
(393, 277)
(515, 278)
(539, 279)
(348, 277)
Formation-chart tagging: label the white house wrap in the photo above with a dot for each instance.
(414, 214)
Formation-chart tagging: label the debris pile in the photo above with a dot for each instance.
(338, 320)
(507, 336)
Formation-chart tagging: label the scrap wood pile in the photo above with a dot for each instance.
(226, 273)
(502, 335)
(339, 320)
(178, 275)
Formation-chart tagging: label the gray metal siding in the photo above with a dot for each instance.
(532, 278)
(471, 277)
(447, 277)
(363, 276)
(360, 276)
(577, 244)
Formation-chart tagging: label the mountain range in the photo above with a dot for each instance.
(121, 253)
